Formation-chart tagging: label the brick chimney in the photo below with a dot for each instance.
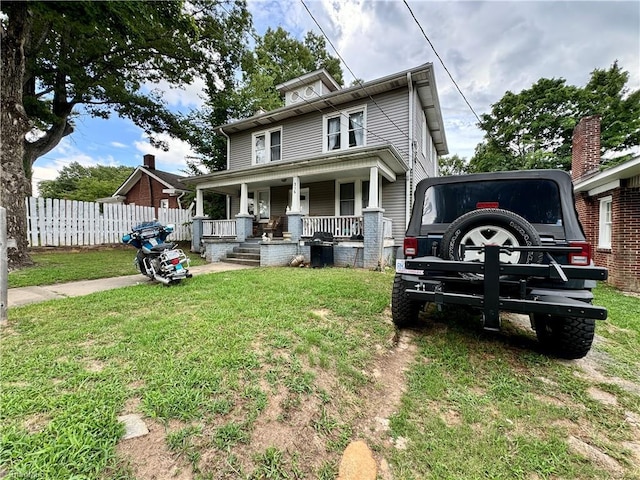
(149, 161)
(585, 148)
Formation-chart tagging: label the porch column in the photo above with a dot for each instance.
(294, 222)
(244, 200)
(244, 221)
(373, 188)
(373, 237)
(295, 195)
(199, 203)
(196, 226)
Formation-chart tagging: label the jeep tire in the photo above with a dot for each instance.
(565, 337)
(404, 311)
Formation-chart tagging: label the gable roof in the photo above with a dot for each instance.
(423, 77)
(171, 181)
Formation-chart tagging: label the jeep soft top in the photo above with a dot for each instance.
(505, 241)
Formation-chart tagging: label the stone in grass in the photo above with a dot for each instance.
(357, 463)
(134, 426)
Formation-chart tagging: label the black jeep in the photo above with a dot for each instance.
(505, 241)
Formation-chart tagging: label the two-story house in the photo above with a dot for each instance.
(337, 160)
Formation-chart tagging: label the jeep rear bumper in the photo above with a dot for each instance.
(442, 284)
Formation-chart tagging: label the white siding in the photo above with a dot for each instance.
(387, 123)
(393, 202)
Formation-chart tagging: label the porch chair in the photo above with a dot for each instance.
(273, 226)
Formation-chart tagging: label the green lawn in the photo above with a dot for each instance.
(69, 266)
(271, 372)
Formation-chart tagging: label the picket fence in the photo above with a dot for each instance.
(55, 222)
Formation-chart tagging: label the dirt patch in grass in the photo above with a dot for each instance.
(308, 429)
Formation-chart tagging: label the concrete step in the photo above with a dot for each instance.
(241, 249)
(242, 261)
(247, 255)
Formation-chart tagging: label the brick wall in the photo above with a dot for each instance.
(622, 259)
(585, 149)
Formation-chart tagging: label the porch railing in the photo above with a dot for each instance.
(337, 226)
(219, 228)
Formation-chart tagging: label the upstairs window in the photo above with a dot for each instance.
(267, 146)
(345, 129)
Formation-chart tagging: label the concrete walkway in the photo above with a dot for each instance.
(26, 295)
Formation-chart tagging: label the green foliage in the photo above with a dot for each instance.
(102, 55)
(75, 182)
(452, 165)
(533, 128)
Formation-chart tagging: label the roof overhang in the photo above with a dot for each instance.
(423, 77)
(608, 179)
(135, 177)
(329, 166)
(321, 75)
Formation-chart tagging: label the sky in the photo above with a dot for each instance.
(488, 47)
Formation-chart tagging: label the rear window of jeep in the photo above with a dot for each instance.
(538, 201)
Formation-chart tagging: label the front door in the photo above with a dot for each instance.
(304, 200)
(263, 205)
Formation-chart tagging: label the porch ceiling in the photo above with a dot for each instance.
(330, 166)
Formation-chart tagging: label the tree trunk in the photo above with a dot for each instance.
(14, 125)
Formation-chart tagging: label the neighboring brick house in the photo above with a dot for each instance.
(149, 187)
(608, 202)
(338, 160)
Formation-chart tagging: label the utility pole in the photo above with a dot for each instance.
(4, 265)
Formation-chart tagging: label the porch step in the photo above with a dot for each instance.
(247, 253)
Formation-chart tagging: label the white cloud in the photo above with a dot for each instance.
(489, 47)
(118, 145)
(173, 160)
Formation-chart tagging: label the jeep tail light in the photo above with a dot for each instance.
(580, 258)
(410, 246)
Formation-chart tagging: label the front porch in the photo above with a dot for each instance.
(359, 241)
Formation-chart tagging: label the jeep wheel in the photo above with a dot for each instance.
(404, 311)
(490, 226)
(565, 337)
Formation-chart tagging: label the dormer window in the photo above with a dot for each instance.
(345, 129)
(267, 146)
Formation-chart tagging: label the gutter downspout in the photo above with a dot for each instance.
(409, 174)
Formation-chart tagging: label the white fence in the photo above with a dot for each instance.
(55, 222)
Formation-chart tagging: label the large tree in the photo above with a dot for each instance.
(59, 57)
(77, 182)
(533, 128)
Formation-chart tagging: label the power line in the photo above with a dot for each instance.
(351, 72)
(441, 61)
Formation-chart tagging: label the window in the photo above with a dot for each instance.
(164, 203)
(347, 199)
(351, 197)
(445, 203)
(345, 129)
(604, 224)
(267, 146)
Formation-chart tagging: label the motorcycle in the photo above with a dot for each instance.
(157, 259)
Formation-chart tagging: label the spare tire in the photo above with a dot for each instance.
(490, 226)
